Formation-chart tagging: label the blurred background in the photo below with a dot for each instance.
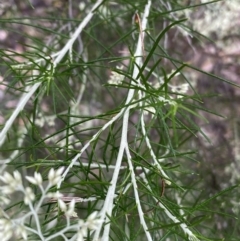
(210, 41)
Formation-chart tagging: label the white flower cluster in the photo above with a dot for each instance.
(42, 120)
(14, 227)
(91, 223)
(180, 89)
(68, 211)
(116, 78)
(14, 183)
(177, 90)
(149, 109)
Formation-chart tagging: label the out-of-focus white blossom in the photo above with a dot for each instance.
(42, 120)
(82, 6)
(17, 177)
(116, 78)
(82, 232)
(36, 180)
(14, 182)
(180, 89)
(6, 229)
(152, 110)
(104, 12)
(160, 80)
(4, 200)
(91, 223)
(70, 212)
(51, 120)
(68, 209)
(8, 178)
(167, 101)
(149, 109)
(54, 195)
(55, 176)
(62, 205)
(7, 189)
(21, 232)
(29, 196)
